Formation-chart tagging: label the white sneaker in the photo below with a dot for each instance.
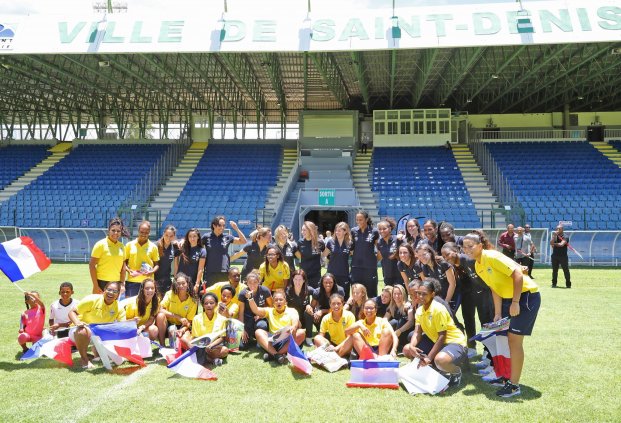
(486, 371)
(472, 352)
(489, 377)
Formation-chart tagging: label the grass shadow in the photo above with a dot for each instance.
(477, 387)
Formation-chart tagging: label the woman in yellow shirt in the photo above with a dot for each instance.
(337, 327)
(208, 322)
(515, 295)
(374, 332)
(228, 308)
(436, 339)
(178, 308)
(274, 271)
(278, 317)
(144, 308)
(95, 308)
(107, 262)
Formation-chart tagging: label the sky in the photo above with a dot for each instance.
(31, 7)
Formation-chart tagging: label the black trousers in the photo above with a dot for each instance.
(477, 300)
(530, 265)
(562, 261)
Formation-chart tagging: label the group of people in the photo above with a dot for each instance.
(429, 273)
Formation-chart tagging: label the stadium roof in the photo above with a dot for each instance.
(275, 86)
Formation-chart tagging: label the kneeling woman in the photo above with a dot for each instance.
(436, 338)
(278, 317)
(95, 308)
(209, 321)
(375, 332)
(514, 295)
(178, 308)
(337, 327)
(145, 308)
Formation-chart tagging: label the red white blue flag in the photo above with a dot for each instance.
(117, 342)
(297, 358)
(20, 258)
(375, 373)
(58, 349)
(187, 365)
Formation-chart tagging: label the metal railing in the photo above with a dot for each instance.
(532, 134)
(612, 133)
(511, 207)
(280, 201)
(139, 198)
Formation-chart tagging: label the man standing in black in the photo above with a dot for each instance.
(559, 244)
(531, 253)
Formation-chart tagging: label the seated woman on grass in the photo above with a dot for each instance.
(399, 316)
(262, 298)
(227, 308)
(94, 308)
(208, 322)
(436, 339)
(178, 308)
(321, 297)
(278, 317)
(374, 332)
(337, 327)
(144, 309)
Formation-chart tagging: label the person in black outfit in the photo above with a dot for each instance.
(559, 242)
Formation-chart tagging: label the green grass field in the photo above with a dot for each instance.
(570, 374)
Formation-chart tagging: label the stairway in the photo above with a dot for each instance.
(288, 160)
(170, 190)
(289, 209)
(608, 151)
(481, 193)
(362, 184)
(59, 151)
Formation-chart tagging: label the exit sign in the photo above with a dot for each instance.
(326, 197)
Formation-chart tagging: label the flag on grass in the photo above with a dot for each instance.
(117, 341)
(187, 365)
(423, 380)
(21, 258)
(374, 374)
(58, 349)
(297, 358)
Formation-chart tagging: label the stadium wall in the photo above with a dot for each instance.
(516, 121)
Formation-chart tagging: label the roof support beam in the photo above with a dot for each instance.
(240, 68)
(428, 56)
(329, 71)
(546, 57)
(464, 59)
(393, 71)
(273, 70)
(561, 72)
(359, 67)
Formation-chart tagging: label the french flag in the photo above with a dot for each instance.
(374, 373)
(496, 341)
(187, 365)
(58, 349)
(297, 358)
(116, 342)
(21, 258)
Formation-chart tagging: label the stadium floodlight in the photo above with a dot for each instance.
(495, 76)
(104, 64)
(396, 31)
(616, 50)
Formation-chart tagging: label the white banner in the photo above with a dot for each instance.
(203, 29)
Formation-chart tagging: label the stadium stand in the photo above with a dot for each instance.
(17, 160)
(422, 181)
(562, 181)
(84, 189)
(616, 144)
(228, 180)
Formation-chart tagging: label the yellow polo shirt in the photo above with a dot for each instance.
(275, 279)
(131, 312)
(201, 325)
(376, 329)
(336, 329)
(136, 254)
(216, 288)
(495, 269)
(278, 321)
(438, 319)
(93, 309)
(111, 258)
(186, 309)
